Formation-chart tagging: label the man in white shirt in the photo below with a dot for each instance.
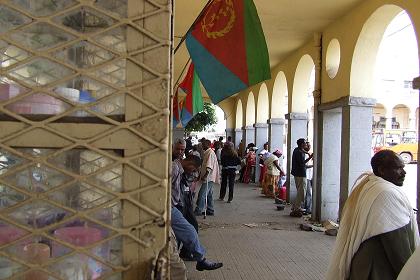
(309, 176)
(209, 174)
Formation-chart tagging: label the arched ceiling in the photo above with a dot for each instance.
(287, 24)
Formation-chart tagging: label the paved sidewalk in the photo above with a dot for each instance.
(270, 247)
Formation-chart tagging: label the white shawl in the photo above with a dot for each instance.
(381, 207)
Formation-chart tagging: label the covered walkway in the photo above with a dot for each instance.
(270, 247)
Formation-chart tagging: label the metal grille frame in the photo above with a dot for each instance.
(136, 68)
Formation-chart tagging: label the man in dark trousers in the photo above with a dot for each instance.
(185, 233)
(299, 174)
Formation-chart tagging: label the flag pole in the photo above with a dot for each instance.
(195, 21)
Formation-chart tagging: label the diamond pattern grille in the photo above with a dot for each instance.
(40, 36)
(84, 102)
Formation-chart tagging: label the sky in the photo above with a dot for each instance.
(398, 50)
(221, 123)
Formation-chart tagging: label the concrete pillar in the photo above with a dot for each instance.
(238, 137)
(276, 133)
(261, 134)
(297, 128)
(230, 132)
(261, 137)
(328, 160)
(356, 141)
(177, 133)
(249, 134)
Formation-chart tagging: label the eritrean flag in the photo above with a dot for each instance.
(193, 102)
(175, 110)
(228, 48)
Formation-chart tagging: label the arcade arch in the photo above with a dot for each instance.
(364, 83)
(302, 85)
(400, 117)
(239, 115)
(250, 110)
(365, 53)
(278, 99)
(379, 116)
(263, 105)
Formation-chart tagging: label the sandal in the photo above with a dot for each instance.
(296, 214)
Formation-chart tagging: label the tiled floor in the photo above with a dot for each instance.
(271, 247)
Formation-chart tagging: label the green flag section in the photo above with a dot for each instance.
(228, 48)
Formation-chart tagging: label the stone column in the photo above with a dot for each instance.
(356, 141)
(261, 137)
(238, 137)
(230, 132)
(328, 158)
(177, 133)
(297, 128)
(249, 134)
(261, 134)
(276, 133)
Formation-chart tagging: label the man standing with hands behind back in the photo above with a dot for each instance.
(299, 174)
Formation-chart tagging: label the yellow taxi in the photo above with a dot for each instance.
(408, 151)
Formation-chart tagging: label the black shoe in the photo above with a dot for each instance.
(229, 201)
(208, 265)
(279, 201)
(208, 213)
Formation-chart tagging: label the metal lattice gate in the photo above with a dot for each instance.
(84, 133)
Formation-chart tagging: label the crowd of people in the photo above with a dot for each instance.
(378, 230)
(273, 175)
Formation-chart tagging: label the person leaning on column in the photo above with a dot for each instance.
(184, 232)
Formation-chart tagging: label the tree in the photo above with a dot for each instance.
(202, 120)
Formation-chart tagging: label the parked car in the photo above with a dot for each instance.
(408, 151)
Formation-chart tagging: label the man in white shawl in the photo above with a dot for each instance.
(378, 230)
